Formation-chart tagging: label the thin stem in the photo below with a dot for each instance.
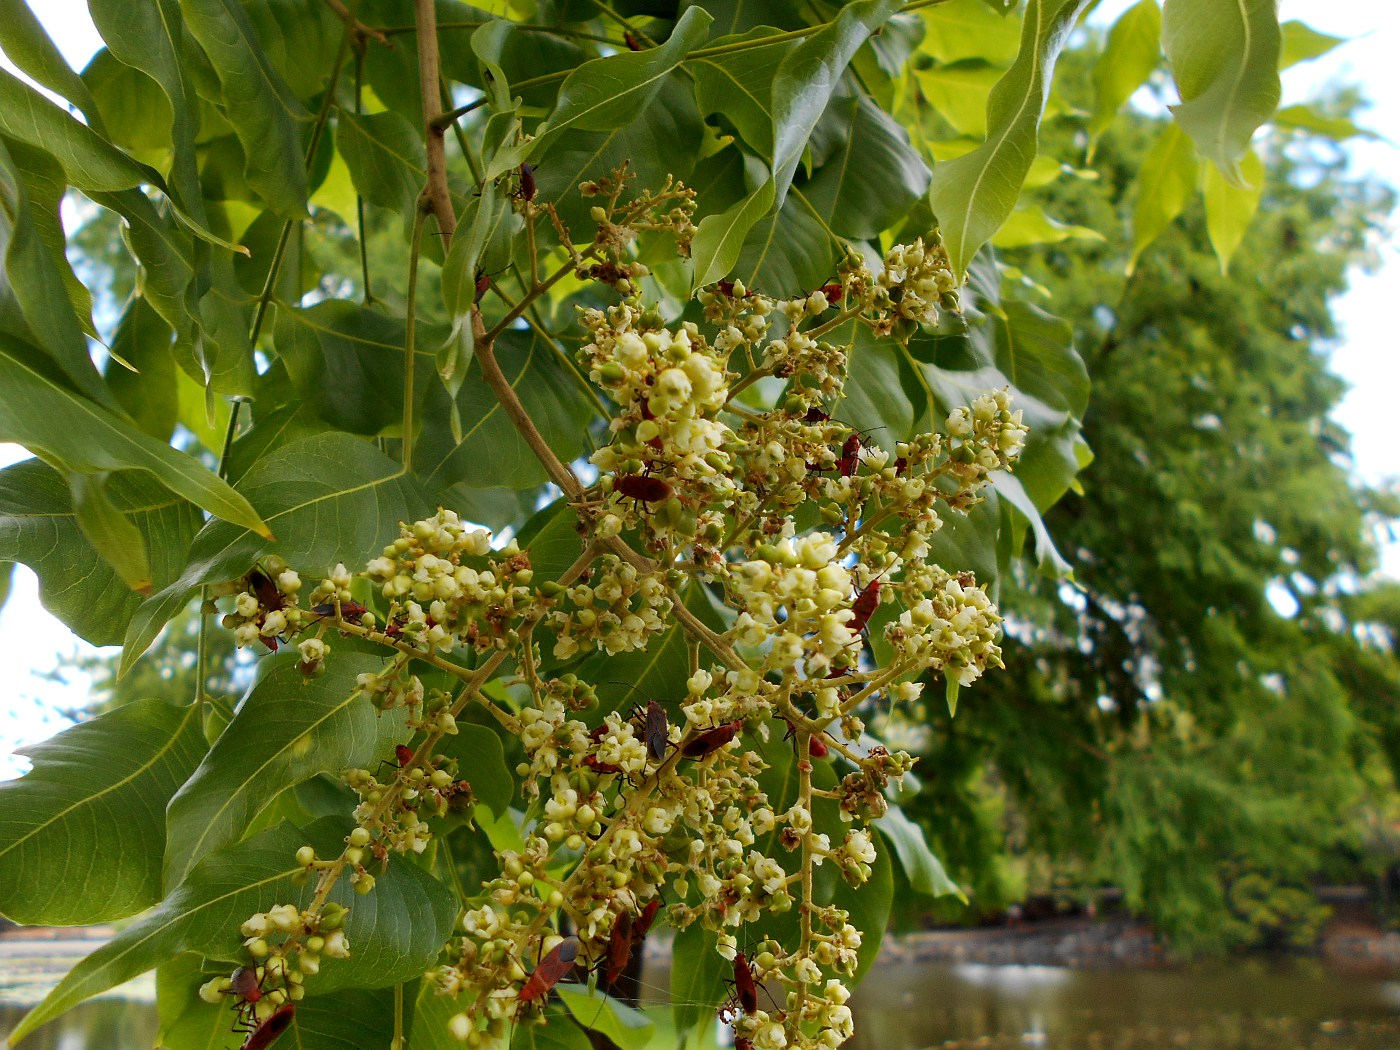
(534, 293)
(436, 193)
(359, 200)
(397, 1042)
(410, 362)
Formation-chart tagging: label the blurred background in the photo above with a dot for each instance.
(1176, 814)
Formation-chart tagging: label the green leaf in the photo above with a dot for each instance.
(958, 92)
(1303, 117)
(950, 692)
(490, 451)
(109, 531)
(151, 37)
(43, 415)
(1300, 42)
(872, 180)
(33, 275)
(624, 1025)
(552, 540)
(738, 85)
(482, 763)
(79, 829)
(395, 933)
(1167, 182)
(288, 730)
(719, 239)
(257, 102)
(1131, 54)
(807, 78)
(1230, 208)
(1225, 59)
(964, 30)
(608, 92)
(89, 160)
(556, 1032)
(331, 497)
(386, 157)
(697, 977)
(924, 870)
(34, 54)
(38, 527)
(790, 251)
(150, 395)
(973, 195)
(1028, 226)
(357, 352)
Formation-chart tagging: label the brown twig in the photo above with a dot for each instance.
(437, 197)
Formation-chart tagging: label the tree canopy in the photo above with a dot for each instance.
(598, 417)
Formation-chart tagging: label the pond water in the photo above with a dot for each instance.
(935, 1006)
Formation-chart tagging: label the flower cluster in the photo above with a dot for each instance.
(728, 471)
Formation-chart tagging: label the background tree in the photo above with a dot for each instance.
(1206, 713)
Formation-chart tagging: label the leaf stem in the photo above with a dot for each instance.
(410, 362)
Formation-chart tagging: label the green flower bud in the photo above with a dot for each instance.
(306, 856)
(360, 837)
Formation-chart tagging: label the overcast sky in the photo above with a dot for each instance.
(1368, 354)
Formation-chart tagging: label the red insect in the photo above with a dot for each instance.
(740, 1043)
(528, 187)
(815, 415)
(865, 605)
(850, 456)
(726, 289)
(483, 285)
(657, 731)
(642, 487)
(260, 583)
(551, 970)
(403, 753)
(832, 293)
(267, 1033)
(630, 41)
(745, 987)
(619, 949)
(591, 761)
(816, 743)
(712, 740)
(350, 612)
(244, 984)
(644, 920)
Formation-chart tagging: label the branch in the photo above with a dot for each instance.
(436, 195)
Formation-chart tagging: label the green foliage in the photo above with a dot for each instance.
(303, 349)
(1169, 729)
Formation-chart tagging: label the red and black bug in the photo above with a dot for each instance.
(642, 487)
(528, 186)
(816, 743)
(745, 987)
(711, 740)
(483, 285)
(267, 1033)
(619, 949)
(350, 612)
(553, 968)
(591, 761)
(816, 414)
(657, 730)
(832, 293)
(630, 41)
(244, 984)
(867, 601)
